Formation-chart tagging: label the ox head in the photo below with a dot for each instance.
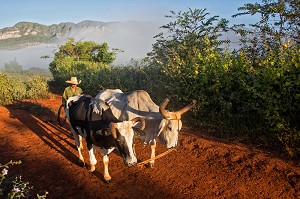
(123, 134)
(171, 124)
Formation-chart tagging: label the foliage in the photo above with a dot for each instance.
(82, 58)
(278, 26)
(133, 76)
(11, 89)
(192, 33)
(37, 88)
(272, 48)
(137, 75)
(37, 71)
(25, 41)
(14, 88)
(90, 63)
(14, 188)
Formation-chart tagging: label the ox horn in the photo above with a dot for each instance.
(177, 114)
(142, 120)
(113, 130)
(187, 108)
(166, 114)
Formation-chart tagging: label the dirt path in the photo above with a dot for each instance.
(202, 166)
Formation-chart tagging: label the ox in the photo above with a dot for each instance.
(160, 123)
(92, 119)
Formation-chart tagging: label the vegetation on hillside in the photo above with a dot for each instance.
(28, 34)
(25, 34)
(24, 41)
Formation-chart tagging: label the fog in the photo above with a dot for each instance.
(28, 57)
(134, 38)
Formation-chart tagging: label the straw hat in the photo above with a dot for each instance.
(73, 81)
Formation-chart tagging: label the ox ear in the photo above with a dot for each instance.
(163, 125)
(139, 119)
(138, 132)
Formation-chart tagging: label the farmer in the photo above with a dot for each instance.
(71, 90)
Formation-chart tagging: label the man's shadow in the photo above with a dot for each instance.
(42, 121)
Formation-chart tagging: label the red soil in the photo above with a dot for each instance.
(202, 166)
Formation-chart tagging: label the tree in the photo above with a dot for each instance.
(189, 30)
(13, 66)
(83, 59)
(279, 26)
(191, 34)
(272, 49)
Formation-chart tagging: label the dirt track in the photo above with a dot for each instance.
(202, 166)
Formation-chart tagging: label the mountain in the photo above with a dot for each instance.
(135, 38)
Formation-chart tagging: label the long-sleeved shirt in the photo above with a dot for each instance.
(69, 92)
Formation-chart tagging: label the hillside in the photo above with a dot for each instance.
(25, 34)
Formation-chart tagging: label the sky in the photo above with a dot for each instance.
(50, 12)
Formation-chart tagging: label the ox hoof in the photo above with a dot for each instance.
(150, 165)
(92, 169)
(81, 163)
(107, 181)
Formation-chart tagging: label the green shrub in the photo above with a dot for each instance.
(37, 88)
(14, 88)
(11, 89)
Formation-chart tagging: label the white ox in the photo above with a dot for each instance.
(160, 123)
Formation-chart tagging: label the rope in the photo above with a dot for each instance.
(140, 164)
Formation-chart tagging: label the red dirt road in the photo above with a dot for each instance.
(202, 166)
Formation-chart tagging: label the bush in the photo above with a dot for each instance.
(13, 88)
(37, 88)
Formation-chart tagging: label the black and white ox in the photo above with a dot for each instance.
(160, 123)
(92, 119)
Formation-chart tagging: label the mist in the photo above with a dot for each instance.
(133, 37)
(28, 57)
